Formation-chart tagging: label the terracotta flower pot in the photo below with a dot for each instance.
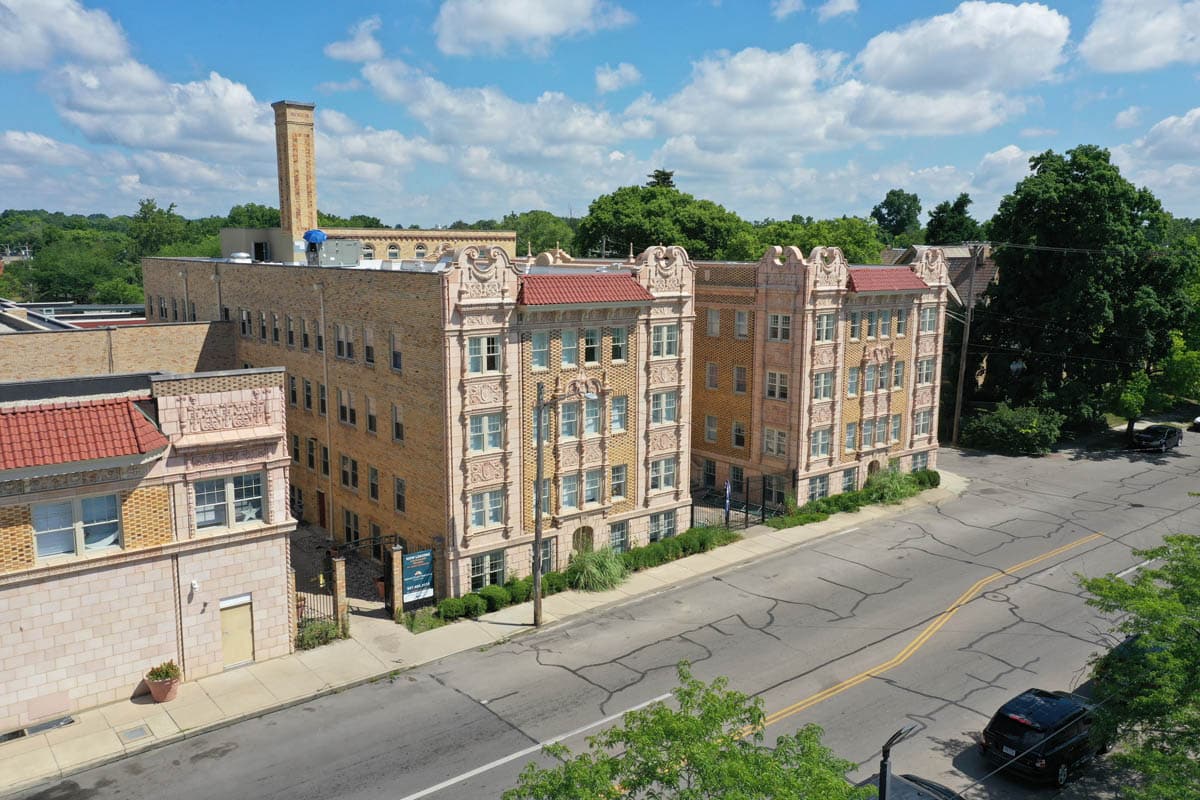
(163, 691)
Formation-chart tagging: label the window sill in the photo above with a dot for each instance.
(619, 362)
(72, 558)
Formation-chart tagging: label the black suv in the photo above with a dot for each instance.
(1158, 437)
(1040, 735)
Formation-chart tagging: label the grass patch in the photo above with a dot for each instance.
(421, 620)
(595, 570)
(316, 632)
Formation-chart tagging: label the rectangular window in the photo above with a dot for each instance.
(710, 428)
(849, 480)
(570, 491)
(855, 325)
(898, 375)
(486, 432)
(852, 379)
(885, 323)
(739, 380)
(319, 329)
(312, 453)
(872, 375)
(710, 375)
(372, 416)
(591, 485)
(620, 413)
(618, 536)
(868, 433)
(741, 324)
(569, 421)
(620, 343)
(663, 407)
(346, 411)
(487, 508)
(245, 322)
(872, 325)
(779, 327)
(881, 430)
(322, 399)
(293, 391)
(324, 460)
(822, 385)
(291, 331)
(924, 371)
(349, 472)
(922, 422)
(296, 447)
(275, 328)
(895, 427)
(825, 327)
(483, 354)
(818, 487)
(546, 495)
(851, 436)
(233, 500)
(929, 319)
(714, 322)
(710, 474)
(400, 494)
(547, 554)
(591, 417)
(570, 348)
(774, 442)
(372, 483)
(397, 424)
(901, 321)
(920, 461)
(397, 358)
(262, 325)
(303, 334)
(664, 341)
(344, 345)
(739, 433)
(487, 569)
(662, 525)
(77, 526)
(777, 385)
(350, 525)
(662, 473)
(541, 350)
(591, 346)
(737, 480)
(307, 395)
(775, 490)
(618, 481)
(819, 443)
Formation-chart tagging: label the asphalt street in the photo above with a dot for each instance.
(936, 617)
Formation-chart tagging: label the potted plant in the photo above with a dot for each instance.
(163, 681)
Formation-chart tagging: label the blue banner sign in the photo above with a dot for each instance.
(418, 575)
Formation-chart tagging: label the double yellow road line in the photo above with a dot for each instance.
(924, 636)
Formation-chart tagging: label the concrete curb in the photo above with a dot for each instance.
(930, 497)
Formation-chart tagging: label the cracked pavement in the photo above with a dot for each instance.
(783, 628)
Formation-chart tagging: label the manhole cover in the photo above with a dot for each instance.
(133, 734)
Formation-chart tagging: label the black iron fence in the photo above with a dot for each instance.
(754, 501)
(314, 591)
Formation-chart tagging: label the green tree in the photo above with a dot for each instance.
(74, 262)
(662, 177)
(898, 213)
(1150, 692)
(860, 240)
(1181, 370)
(152, 227)
(252, 215)
(538, 231)
(117, 290)
(698, 751)
(1131, 398)
(949, 223)
(1093, 300)
(643, 216)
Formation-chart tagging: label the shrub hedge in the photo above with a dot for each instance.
(595, 570)
(496, 596)
(888, 486)
(1014, 431)
(451, 608)
(693, 540)
(474, 605)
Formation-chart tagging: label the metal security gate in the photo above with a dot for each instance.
(758, 499)
(314, 589)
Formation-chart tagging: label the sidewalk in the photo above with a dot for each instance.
(379, 647)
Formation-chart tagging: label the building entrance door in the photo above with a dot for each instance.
(321, 510)
(237, 631)
(872, 468)
(582, 539)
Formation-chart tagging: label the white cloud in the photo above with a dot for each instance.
(465, 27)
(34, 32)
(1172, 139)
(362, 44)
(1129, 118)
(999, 171)
(28, 146)
(1037, 133)
(835, 8)
(785, 8)
(333, 87)
(1136, 35)
(979, 45)
(610, 79)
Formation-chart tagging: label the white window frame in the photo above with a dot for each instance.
(823, 385)
(485, 432)
(593, 487)
(929, 319)
(664, 407)
(895, 428)
(737, 430)
(620, 345)
(849, 480)
(818, 487)
(779, 327)
(853, 381)
(777, 385)
(713, 322)
(825, 327)
(619, 414)
(819, 443)
(593, 341)
(540, 347)
(710, 428)
(925, 371)
(741, 324)
(663, 525)
(774, 442)
(711, 371)
(850, 443)
(486, 568)
(569, 488)
(620, 482)
(901, 322)
(591, 416)
(483, 355)
(618, 536)
(855, 325)
(229, 489)
(923, 422)
(898, 375)
(662, 474)
(487, 509)
(570, 348)
(664, 341)
(744, 382)
(568, 421)
(78, 527)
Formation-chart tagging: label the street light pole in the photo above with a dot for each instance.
(538, 413)
(885, 764)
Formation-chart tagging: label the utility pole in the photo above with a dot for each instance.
(969, 302)
(604, 246)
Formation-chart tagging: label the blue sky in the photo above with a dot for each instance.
(436, 110)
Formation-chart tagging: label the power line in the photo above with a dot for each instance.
(992, 348)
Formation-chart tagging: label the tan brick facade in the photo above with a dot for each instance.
(16, 538)
(146, 517)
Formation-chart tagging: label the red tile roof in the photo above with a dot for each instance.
(62, 433)
(586, 287)
(885, 279)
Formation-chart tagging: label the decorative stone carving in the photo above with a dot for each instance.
(923, 396)
(665, 267)
(661, 374)
(926, 346)
(663, 441)
(485, 471)
(592, 454)
(931, 267)
(824, 356)
(225, 457)
(68, 480)
(880, 354)
(487, 393)
(822, 414)
(568, 458)
(197, 417)
(482, 320)
(775, 413)
(830, 270)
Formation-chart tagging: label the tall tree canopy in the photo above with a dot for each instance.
(643, 216)
(662, 177)
(860, 239)
(898, 213)
(698, 751)
(1095, 307)
(949, 223)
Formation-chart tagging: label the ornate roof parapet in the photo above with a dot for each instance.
(824, 269)
(476, 274)
(550, 258)
(930, 266)
(666, 270)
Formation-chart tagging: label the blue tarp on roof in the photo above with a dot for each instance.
(315, 236)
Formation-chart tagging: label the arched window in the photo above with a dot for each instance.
(421, 250)
(393, 252)
(368, 251)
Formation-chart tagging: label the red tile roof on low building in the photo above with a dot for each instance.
(885, 279)
(62, 433)
(586, 287)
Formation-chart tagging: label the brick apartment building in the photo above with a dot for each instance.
(411, 388)
(142, 518)
(810, 374)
